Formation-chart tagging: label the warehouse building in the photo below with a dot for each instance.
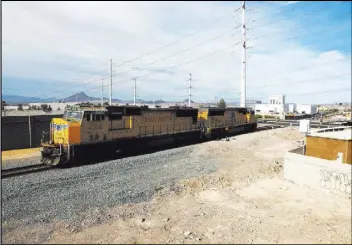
(278, 107)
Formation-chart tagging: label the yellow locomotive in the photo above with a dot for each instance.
(89, 133)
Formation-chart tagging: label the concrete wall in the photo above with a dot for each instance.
(15, 131)
(317, 173)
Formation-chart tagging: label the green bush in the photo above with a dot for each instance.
(258, 116)
(221, 103)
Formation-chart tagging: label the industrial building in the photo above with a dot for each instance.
(278, 107)
(15, 107)
(55, 105)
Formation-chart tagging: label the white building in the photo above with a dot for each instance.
(291, 108)
(56, 105)
(306, 109)
(277, 107)
(277, 100)
(15, 107)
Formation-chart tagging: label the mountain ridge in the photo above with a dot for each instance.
(77, 97)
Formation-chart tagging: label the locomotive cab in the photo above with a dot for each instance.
(63, 133)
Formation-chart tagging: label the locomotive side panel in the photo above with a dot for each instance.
(156, 122)
(94, 127)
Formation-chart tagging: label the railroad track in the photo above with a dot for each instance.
(296, 124)
(267, 127)
(11, 172)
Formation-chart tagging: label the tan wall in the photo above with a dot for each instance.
(349, 152)
(328, 148)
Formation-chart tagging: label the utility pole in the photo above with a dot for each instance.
(29, 129)
(134, 91)
(243, 72)
(110, 97)
(190, 86)
(102, 92)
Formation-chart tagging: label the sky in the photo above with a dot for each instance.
(297, 48)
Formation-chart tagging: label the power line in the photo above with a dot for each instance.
(290, 17)
(304, 67)
(153, 62)
(289, 82)
(178, 65)
(141, 56)
(309, 34)
(291, 29)
(162, 47)
(264, 86)
(280, 12)
(301, 81)
(180, 52)
(324, 91)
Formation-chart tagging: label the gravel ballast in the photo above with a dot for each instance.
(63, 193)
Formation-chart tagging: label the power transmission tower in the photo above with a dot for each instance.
(243, 71)
(190, 87)
(134, 90)
(110, 97)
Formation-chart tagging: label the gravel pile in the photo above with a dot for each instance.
(62, 194)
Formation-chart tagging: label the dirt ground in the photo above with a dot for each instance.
(246, 201)
(18, 154)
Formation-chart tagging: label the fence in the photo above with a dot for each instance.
(20, 132)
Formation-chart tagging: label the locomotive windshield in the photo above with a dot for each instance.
(73, 115)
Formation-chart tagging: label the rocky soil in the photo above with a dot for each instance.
(215, 192)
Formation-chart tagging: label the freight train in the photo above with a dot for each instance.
(85, 133)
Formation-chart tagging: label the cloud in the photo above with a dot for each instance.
(284, 2)
(66, 43)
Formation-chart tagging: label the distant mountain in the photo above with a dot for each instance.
(146, 101)
(78, 97)
(186, 100)
(16, 99)
(82, 97)
(159, 101)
